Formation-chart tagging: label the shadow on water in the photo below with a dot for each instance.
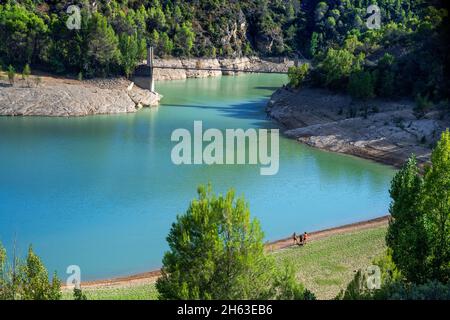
(266, 88)
(251, 110)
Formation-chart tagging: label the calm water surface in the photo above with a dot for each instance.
(101, 191)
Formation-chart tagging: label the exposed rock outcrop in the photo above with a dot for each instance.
(143, 98)
(385, 131)
(62, 97)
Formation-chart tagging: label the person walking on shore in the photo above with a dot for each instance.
(300, 239)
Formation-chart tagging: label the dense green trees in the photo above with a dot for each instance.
(384, 76)
(22, 34)
(297, 75)
(419, 233)
(361, 85)
(436, 208)
(417, 263)
(184, 39)
(406, 234)
(217, 252)
(337, 65)
(102, 46)
(405, 57)
(36, 33)
(129, 49)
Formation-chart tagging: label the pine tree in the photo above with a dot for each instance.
(436, 206)
(26, 281)
(406, 234)
(216, 252)
(102, 44)
(129, 49)
(11, 74)
(184, 39)
(36, 285)
(419, 232)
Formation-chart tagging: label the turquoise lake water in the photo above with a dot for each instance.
(101, 192)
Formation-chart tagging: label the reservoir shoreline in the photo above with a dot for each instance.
(45, 94)
(315, 117)
(152, 276)
(112, 163)
(386, 131)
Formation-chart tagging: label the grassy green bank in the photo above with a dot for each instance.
(324, 266)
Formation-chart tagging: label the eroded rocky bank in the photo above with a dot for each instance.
(67, 97)
(54, 96)
(384, 131)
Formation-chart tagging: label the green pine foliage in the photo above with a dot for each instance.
(129, 49)
(419, 233)
(287, 287)
(337, 66)
(436, 207)
(361, 85)
(413, 33)
(217, 252)
(297, 75)
(26, 280)
(417, 262)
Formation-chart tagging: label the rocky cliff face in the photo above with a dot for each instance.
(385, 131)
(57, 97)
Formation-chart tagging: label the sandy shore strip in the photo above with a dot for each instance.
(152, 276)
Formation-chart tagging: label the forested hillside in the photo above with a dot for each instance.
(113, 35)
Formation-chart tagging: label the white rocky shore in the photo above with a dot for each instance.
(67, 98)
(384, 131)
(243, 63)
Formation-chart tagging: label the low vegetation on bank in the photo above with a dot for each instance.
(324, 266)
(405, 59)
(417, 262)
